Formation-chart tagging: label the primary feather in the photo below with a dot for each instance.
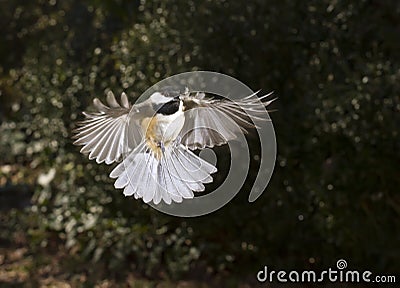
(211, 122)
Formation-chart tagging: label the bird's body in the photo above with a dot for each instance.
(155, 139)
(161, 130)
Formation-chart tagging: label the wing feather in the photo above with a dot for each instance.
(109, 133)
(210, 122)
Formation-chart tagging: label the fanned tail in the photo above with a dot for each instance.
(172, 177)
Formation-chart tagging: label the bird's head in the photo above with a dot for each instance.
(166, 101)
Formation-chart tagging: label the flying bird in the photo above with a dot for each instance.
(153, 140)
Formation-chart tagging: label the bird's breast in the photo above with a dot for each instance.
(162, 129)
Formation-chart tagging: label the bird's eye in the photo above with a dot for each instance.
(167, 108)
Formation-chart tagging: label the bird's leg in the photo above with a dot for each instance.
(161, 146)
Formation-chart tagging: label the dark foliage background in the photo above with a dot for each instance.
(334, 65)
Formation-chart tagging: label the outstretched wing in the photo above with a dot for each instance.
(109, 133)
(212, 122)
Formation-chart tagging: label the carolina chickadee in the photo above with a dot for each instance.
(155, 138)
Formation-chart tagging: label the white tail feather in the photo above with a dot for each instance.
(173, 177)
